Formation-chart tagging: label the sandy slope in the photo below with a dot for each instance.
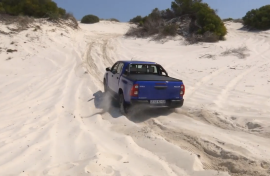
(56, 121)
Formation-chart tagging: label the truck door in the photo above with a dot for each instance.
(116, 77)
(111, 76)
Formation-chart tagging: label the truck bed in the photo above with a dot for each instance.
(150, 77)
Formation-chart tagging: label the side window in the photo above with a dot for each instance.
(114, 68)
(152, 69)
(162, 71)
(120, 68)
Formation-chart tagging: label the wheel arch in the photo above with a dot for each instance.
(120, 91)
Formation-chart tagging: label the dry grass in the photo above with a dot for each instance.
(24, 22)
(169, 30)
(73, 22)
(21, 22)
(208, 56)
(210, 37)
(239, 52)
(154, 28)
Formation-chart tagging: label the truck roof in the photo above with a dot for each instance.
(138, 62)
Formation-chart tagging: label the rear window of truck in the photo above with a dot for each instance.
(143, 69)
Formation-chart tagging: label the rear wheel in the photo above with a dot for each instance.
(123, 105)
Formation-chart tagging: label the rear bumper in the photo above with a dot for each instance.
(169, 103)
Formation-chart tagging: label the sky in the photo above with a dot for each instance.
(124, 10)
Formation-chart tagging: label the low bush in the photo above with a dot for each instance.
(258, 18)
(207, 37)
(201, 18)
(169, 30)
(136, 19)
(90, 19)
(21, 10)
(148, 26)
(227, 19)
(208, 20)
(113, 19)
(139, 32)
(35, 8)
(109, 19)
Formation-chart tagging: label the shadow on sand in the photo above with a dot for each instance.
(137, 114)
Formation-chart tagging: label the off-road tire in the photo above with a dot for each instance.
(123, 105)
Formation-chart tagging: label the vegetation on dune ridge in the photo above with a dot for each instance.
(239, 20)
(201, 19)
(90, 19)
(258, 18)
(109, 19)
(35, 8)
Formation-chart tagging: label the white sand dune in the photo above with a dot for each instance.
(55, 119)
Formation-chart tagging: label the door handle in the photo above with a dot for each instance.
(112, 75)
(117, 77)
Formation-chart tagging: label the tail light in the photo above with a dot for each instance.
(134, 90)
(182, 92)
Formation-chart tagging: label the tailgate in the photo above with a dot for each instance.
(159, 90)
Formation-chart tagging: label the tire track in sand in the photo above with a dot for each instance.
(212, 155)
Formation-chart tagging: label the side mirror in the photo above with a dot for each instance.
(108, 69)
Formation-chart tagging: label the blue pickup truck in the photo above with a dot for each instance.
(139, 83)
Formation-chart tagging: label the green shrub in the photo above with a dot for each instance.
(35, 8)
(209, 21)
(53, 16)
(113, 19)
(203, 14)
(183, 7)
(167, 14)
(90, 19)
(138, 20)
(2, 10)
(258, 18)
(203, 19)
(61, 12)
